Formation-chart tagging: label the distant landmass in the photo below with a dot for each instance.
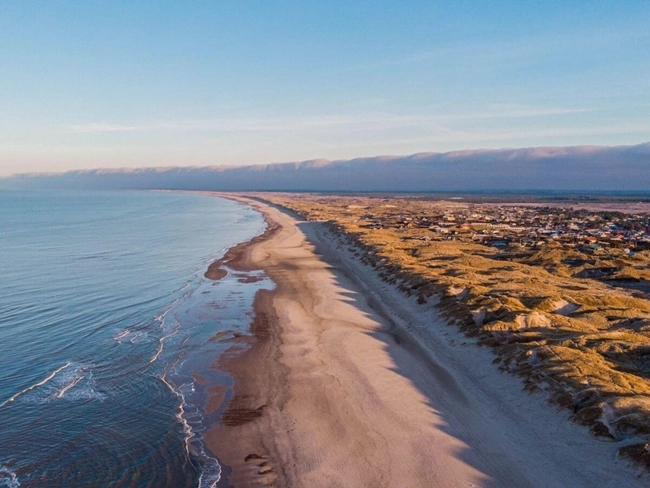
(577, 168)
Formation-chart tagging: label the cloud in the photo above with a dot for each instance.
(101, 127)
(326, 122)
(622, 168)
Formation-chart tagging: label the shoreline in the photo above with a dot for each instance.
(237, 439)
(347, 383)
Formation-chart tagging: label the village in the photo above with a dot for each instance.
(512, 226)
(559, 293)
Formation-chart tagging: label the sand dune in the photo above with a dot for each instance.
(356, 385)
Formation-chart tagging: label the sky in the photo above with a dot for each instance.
(138, 84)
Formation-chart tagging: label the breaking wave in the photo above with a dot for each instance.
(72, 381)
(8, 478)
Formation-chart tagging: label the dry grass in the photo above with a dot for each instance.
(550, 315)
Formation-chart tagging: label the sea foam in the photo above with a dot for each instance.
(72, 381)
(8, 478)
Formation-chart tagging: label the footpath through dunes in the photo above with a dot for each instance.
(349, 383)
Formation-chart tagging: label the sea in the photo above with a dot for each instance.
(110, 335)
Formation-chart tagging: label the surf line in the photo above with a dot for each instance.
(66, 388)
(40, 383)
(122, 334)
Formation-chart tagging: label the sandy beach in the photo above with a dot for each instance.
(345, 382)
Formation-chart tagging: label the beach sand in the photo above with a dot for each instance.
(345, 382)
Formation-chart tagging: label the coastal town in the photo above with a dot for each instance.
(560, 293)
(521, 226)
(611, 246)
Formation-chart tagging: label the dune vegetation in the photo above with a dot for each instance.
(559, 315)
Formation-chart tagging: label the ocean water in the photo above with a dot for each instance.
(109, 335)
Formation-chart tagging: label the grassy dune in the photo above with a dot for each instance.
(549, 313)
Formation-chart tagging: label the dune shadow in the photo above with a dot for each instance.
(442, 393)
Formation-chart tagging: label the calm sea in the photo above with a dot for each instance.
(107, 335)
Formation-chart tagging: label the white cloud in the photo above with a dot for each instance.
(330, 122)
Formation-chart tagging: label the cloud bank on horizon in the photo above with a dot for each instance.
(579, 168)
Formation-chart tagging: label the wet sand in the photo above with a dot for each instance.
(345, 382)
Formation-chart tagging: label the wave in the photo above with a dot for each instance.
(140, 334)
(175, 330)
(133, 336)
(72, 381)
(139, 338)
(8, 478)
(36, 385)
(168, 331)
(62, 391)
(121, 335)
(191, 420)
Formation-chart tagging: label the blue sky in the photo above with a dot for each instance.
(118, 84)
